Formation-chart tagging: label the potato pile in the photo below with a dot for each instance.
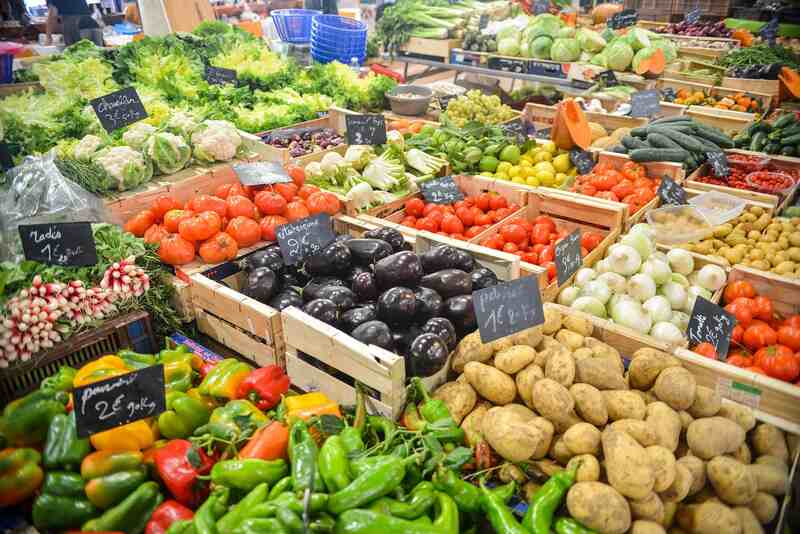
(655, 450)
(756, 240)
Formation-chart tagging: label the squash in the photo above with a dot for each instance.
(791, 80)
(597, 131)
(603, 12)
(577, 125)
(559, 134)
(743, 36)
(650, 61)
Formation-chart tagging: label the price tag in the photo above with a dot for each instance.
(770, 31)
(365, 129)
(710, 323)
(6, 162)
(442, 190)
(119, 400)
(63, 244)
(483, 21)
(541, 6)
(543, 68)
(119, 109)
(444, 100)
(261, 173)
(694, 15)
(516, 129)
(608, 78)
(519, 66)
(220, 76)
(719, 164)
(544, 133)
(305, 237)
(580, 84)
(645, 103)
(671, 192)
(568, 256)
(508, 308)
(583, 160)
(623, 19)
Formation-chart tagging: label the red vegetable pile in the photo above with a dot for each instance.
(464, 219)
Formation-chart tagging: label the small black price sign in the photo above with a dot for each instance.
(516, 129)
(520, 66)
(583, 160)
(6, 162)
(645, 103)
(608, 78)
(444, 101)
(543, 68)
(305, 237)
(541, 6)
(719, 164)
(623, 19)
(119, 400)
(64, 244)
(770, 31)
(710, 323)
(670, 192)
(119, 109)
(694, 15)
(568, 256)
(483, 21)
(261, 173)
(508, 308)
(442, 190)
(366, 129)
(580, 84)
(220, 76)
(544, 133)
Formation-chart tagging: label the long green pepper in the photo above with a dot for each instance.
(499, 515)
(567, 525)
(333, 464)
(373, 484)
(305, 465)
(547, 499)
(237, 513)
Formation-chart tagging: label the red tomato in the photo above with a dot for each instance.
(452, 224)
(409, 221)
(244, 230)
(287, 191)
(590, 240)
(306, 191)
(551, 270)
(483, 220)
(502, 213)
(740, 288)
(742, 309)
(240, 206)
(269, 224)
(473, 231)
(209, 203)
(706, 349)
(140, 222)
(483, 201)
(431, 207)
(296, 210)
(540, 234)
(200, 227)
(162, 204)
(514, 233)
(790, 336)
(759, 335)
(497, 202)
(436, 216)
(737, 333)
(323, 202)
(270, 203)
(174, 217)
(414, 206)
(297, 174)
(762, 308)
(530, 257)
(544, 219)
(510, 247)
(778, 361)
(548, 254)
(465, 214)
(427, 224)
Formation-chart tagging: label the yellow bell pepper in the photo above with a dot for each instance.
(131, 437)
(100, 369)
(310, 404)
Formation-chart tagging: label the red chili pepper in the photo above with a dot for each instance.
(264, 387)
(179, 464)
(167, 513)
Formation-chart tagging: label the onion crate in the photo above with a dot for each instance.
(333, 120)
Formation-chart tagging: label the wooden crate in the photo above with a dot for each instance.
(669, 109)
(7, 89)
(715, 91)
(724, 119)
(282, 156)
(439, 48)
(540, 114)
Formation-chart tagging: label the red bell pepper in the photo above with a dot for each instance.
(167, 513)
(179, 464)
(264, 387)
(205, 368)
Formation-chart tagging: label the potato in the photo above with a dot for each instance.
(713, 436)
(525, 380)
(680, 486)
(764, 506)
(513, 439)
(577, 324)
(589, 404)
(686, 419)
(561, 368)
(470, 349)
(546, 429)
(581, 353)
(530, 337)
(559, 451)
(774, 461)
(460, 399)
(793, 442)
(604, 351)
(732, 481)
(570, 339)
(511, 360)
(676, 386)
(707, 402)
(624, 405)
(641, 431)
(670, 509)
(547, 342)
(650, 508)
(492, 384)
(708, 518)
(600, 373)
(627, 466)
(543, 356)
(742, 454)
(663, 463)
(523, 412)
(582, 438)
(769, 478)
(562, 424)
(742, 415)
(599, 506)
(768, 439)
(509, 472)
(547, 467)
(588, 468)
(552, 400)
(697, 468)
(666, 423)
(552, 321)
(472, 423)
(501, 344)
(646, 527)
(748, 520)
(646, 365)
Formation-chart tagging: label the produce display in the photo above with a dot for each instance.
(475, 106)
(697, 29)
(737, 102)
(305, 141)
(782, 136)
(758, 55)
(630, 185)
(754, 173)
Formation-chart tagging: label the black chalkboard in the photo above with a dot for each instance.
(608, 78)
(261, 173)
(305, 237)
(769, 31)
(541, 6)
(710, 323)
(544, 133)
(6, 162)
(119, 109)
(365, 129)
(583, 160)
(516, 129)
(568, 256)
(580, 84)
(694, 15)
(543, 68)
(442, 190)
(520, 66)
(444, 101)
(483, 21)
(671, 192)
(119, 400)
(220, 76)
(64, 244)
(508, 308)
(623, 19)
(645, 103)
(719, 164)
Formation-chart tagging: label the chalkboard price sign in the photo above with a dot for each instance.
(694, 15)
(623, 19)
(220, 76)
(544, 133)
(483, 21)
(119, 109)
(6, 162)
(719, 164)
(305, 237)
(519, 66)
(608, 78)
(366, 129)
(119, 400)
(516, 129)
(645, 103)
(444, 101)
(671, 192)
(543, 68)
(261, 173)
(508, 308)
(541, 6)
(568, 256)
(582, 160)
(710, 323)
(63, 244)
(442, 190)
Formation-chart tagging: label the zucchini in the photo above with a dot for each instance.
(711, 134)
(784, 120)
(630, 142)
(792, 130)
(686, 141)
(788, 151)
(643, 155)
(641, 131)
(791, 139)
(758, 141)
(772, 147)
(657, 140)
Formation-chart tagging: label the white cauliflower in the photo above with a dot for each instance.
(182, 123)
(169, 152)
(136, 136)
(87, 147)
(125, 165)
(216, 141)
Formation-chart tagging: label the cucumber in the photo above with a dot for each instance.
(641, 131)
(784, 120)
(657, 140)
(642, 155)
(619, 149)
(716, 137)
(792, 130)
(709, 146)
(633, 142)
(772, 147)
(667, 120)
(791, 139)
(692, 161)
(758, 141)
(686, 141)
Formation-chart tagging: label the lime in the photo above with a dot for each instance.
(561, 163)
(510, 153)
(488, 164)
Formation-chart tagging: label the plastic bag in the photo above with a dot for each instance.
(38, 193)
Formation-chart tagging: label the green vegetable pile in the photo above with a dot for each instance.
(781, 137)
(760, 55)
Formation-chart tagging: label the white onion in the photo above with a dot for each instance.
(603, 266)
(615, 282)
(624, 259)
(584, 275)
(680, 319)
(641, 287)
(680, 261)
(631, 314)
(598, 290)
(711, 277)
(568, 295)
(675, 293)
(691, 296)
(657, 270)
(682, 280)
(645, 229)
(666, 331)
(589, 305)
(659, 308)
(641, 242)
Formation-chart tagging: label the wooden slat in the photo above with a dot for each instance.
(237, 340)
(784, 292)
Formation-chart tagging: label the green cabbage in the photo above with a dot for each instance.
(540, 47)
(565, 50)
(590, 40)
(567, 32)
(619, 55)
(508, 46)
(670, 53)
(546, 24)
(638, 38)
(506, 32)
(169, 152)
(600, 60)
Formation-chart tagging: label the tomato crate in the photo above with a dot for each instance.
(334, 120)
(128, 331)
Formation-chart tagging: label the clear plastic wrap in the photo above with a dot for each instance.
(38, 193)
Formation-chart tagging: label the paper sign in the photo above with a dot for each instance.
(305, 237)
(583, 160)
(719, 164)
(508, 308)
(63, 244)
(261, 173)
(442, 190)
(710, 323)
(365, 129)
(645, 103)
(220, 76)
(568, 256)
(671, 192)
(119, 109)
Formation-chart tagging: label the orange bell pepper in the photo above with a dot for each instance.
(270, 442)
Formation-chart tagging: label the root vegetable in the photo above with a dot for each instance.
(582, 438)
(588, 469)
(708, 518)
(561, 368)
(627, 466)
(733, 481)
(624, 405)
(513, 359)
(697, 468)
(599, 373)
(472, 424)
(676, 386)
(713, 436)
(666, 424)
(492, 384)
(768, 439)
(525, 380)
(589, 404)
(707, 402)
(650, 508)
(460, 399)
(663, 463)
(680, 486)
(552, 400)
(600, 507)
(510, 436)
(641, 431)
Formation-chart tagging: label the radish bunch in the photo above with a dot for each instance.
(44, 314)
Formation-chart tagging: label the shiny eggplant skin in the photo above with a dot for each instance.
(333, 260)
(260, 284)
(448, 282)
(439, 258)
(315, 285)
(323, 309)
(397, 305)
(364, 287)
(366, 252)
(429, 303)
(400, 269)
(340, 295)
(262, 258)
(352, 273)
(402, 338)
(286, 298)
(460, 311)
(374, 333)
(443, 328)
(465, 261)
(391, 236)
(483, 278)
(356, 316)
(427, 355)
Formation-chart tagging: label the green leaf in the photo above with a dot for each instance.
(458, 457)
(193, 457)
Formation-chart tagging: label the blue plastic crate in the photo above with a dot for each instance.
(6, 68)
(294, 25)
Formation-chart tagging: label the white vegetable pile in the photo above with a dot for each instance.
(637, 286)
(46, 313)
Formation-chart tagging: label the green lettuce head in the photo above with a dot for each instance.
(590, 40)
(169, 152)
(565, 50)
(540, 47)
(619, 55)
(546, 24)
(670, 53)
(508, 46)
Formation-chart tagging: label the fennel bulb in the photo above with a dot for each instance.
(711, 277)
(589, 305)
(666, 331)
(657, 270)
(384, 172)
(596, 289)
(615, 282)
(641, 242)
(630, 313)
(584, 275)
(641, 287)
(568, 295)
(659, 308)
(675, 293)
(624, 259)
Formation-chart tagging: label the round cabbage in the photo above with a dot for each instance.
(508, 46)
(540, 47)
(565, 50)
(506, 32)
(619, 55)
(590, 40)
(169, 152)
(546, 24)
(599, 60)
(567, 32)
(670, 53)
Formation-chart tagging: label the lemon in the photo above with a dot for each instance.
(546, 178)
(532, 181)
(503, 166)
(561, 163)
(513, 171)
(549, 146)
(543, 156)
(545, 166)
(561, 178)
(487, 174)
(501, 176)
(518, 180)
(524, 172)
(526, 159)
(573, 172)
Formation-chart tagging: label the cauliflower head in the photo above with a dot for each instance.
(216, 141)
(125, 165)
(169, 152)
(182, 123)
(87, 147)
(136, 136)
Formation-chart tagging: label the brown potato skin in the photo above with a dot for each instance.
(588, 467)
(708, 518)
(627, 465)
(748, 520)
(490, 383)
(666, 423)
(769, 478)
(600, 373)
(733, 481)
(680, 486)
(676, 386)
(552, 400)
(650, 508)
(714, 436)
(590, 404)
(582, 438)
(742, 415)
(697, 468)
(460, 399)
(764, 506)
(646, 527)
(768, 439)
(599, 506)
(624, 405)
(525, 380)
(663, 462)
(707, 402)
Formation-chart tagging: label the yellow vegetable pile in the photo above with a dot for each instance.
(543, 165)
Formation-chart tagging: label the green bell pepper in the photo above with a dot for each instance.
(63, 484)
(183, 416)
(131, 515)
(181, 353)
(61, 381)
(63, 449)
(232, 421)
(248, 473)
(136, 360)
(26, 420)
(178, 376)
(62, 504)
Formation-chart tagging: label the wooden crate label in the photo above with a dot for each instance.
(366, 129)
(64, 244)
(119, 109)
(730, 389)
(220, 76)
(508, 308)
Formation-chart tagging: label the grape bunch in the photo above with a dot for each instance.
(475, 106)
